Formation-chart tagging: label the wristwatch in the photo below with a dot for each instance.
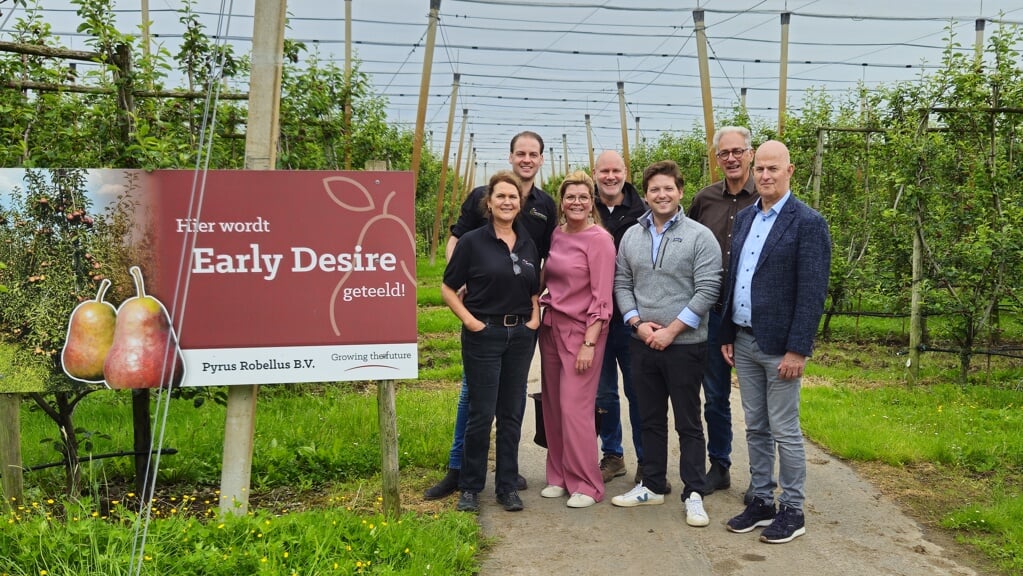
(635, 326)
(589, 344)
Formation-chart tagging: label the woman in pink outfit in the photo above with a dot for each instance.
(578, 275)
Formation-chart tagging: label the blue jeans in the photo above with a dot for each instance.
(717, 386)
(495, 361)
(616, 355)
(771, 406)
(461, 420)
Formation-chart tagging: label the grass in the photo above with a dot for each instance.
(334, 540)
(951, 455)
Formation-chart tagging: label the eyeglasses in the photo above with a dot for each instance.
(515, 264)
(737, 152)
(577, 199)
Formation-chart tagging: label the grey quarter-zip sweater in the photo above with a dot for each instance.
(685, 273)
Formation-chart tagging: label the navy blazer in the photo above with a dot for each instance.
(790, 282)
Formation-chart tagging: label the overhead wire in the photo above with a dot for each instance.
(180, 294)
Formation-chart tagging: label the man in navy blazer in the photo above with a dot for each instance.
(777, 283)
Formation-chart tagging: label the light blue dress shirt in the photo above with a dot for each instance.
(686, 316)
(742, 314)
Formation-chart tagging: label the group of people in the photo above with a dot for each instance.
(630, 283)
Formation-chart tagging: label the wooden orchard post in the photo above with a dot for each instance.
(10, 448)
(387, 420)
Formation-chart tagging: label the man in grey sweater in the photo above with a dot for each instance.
(667, 277)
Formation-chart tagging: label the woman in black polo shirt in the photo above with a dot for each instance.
(500, 269)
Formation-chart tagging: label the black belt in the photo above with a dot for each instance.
(508, 320)
(745, 329)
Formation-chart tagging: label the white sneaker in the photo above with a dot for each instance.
(581, 501)
(552, 491)
(695, 514)
(638, 496)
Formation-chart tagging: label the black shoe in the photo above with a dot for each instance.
(520, 483)
(787, 525)
(718, 477)
(468, 502)
(510, 501)
(446, 487)
(757, 513)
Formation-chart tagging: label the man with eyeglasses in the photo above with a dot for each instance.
(715, 207)
(619, 205)
(539, 215)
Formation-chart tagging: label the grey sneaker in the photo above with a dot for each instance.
(468, 502)
(757, 513)
(510, 501)
(611, 467)
(788, 524)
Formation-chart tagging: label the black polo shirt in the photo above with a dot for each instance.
(624, 215)
(539, 215)
(481, 262)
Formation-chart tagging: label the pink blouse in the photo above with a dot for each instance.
(579, 274)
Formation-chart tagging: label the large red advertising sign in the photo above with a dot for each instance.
(284, 276)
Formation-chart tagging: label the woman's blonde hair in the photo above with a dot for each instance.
(579, 177)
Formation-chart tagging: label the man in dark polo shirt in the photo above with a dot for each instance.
(539, 215)
(715, 207)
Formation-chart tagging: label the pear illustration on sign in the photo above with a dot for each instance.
(144, 353)
(352, 196)
(90, 333)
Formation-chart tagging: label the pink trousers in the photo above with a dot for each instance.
(569, 400)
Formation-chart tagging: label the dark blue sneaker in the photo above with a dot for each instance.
(757, 513)
(468, 502)
(787, 525)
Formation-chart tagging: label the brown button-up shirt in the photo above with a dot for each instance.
(715, 208)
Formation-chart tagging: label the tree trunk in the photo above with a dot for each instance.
(72, 466)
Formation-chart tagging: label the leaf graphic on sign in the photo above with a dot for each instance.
(349, 199)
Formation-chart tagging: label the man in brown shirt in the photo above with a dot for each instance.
(715, 207)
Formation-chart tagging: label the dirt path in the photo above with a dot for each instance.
(851, 528)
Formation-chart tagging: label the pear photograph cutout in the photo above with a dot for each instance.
(90, 333)
(144, 352)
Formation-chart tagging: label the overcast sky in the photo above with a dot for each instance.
(544, 65)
